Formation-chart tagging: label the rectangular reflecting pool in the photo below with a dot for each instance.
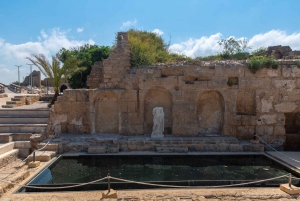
(182, 170)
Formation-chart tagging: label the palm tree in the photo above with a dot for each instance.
(55, 71)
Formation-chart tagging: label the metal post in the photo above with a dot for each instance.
(290, 180)
(33, 156)
(108, 182)
(18, 73)
(47, 86)
(31, 75)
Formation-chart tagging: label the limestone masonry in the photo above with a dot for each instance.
(198, 98)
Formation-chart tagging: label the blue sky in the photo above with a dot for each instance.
(192, 26)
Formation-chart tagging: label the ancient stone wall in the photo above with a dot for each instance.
(36, 79)
(199, 98)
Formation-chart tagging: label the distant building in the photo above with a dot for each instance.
(36, 79)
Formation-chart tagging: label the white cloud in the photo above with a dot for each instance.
(4, 70)
(203, 46)
(206, 46)
(128, 24)
(158, 32)
(43, 33)
(48, 43)
(275, 37)
(80, 30)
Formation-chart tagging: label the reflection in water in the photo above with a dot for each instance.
(160, 168)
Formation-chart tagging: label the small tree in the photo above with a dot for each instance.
(234, 48)
(55, 71)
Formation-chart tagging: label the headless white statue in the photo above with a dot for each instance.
(158, 122)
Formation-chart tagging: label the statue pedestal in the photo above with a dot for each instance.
(157, 135)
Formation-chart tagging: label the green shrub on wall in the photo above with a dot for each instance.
(256, 63)
(147, 48)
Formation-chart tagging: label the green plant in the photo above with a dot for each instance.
(259, 50)
(147, 48)
(231, 83)
(256, 63)
(88, 55)
(232, 46)
(298, 63)
(54, 70)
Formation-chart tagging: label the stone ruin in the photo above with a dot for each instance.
(281, 52)
(36, 79)
(196, 98)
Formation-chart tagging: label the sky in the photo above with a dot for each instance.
(192, 27)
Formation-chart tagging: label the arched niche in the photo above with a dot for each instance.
(106, 112)
(157, 97)
(210, 111)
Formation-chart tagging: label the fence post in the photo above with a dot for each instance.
(108, 182)
(290, 180)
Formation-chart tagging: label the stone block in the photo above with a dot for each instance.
(264, 130)
(34, 164)
(82, 95)
(172, 71)
(190, 95)
(254, 83)
(245, 130)
(279, 130)
(70, 94)
(129, 95)
(132, 106)
(217, 82)
(171, 149)
(263, 73)
(223, 147)
(253, 147)
(124, 107)
(298, 83)
(292, 190)
(109, 194)
(184, 130)
(136, 129)
(235, 147)
(135, 118)
(284, 84)
(229, 130)
(230, 71)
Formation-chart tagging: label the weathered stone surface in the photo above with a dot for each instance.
(198, 98)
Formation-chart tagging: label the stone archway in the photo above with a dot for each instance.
(158, 97)
(106, 112)
(62, 88)
(210, 113)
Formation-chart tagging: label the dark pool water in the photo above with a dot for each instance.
(194, 170)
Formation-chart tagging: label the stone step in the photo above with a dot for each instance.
(25, 112)
(22, 144)
(49, 147)
(21, 136)
(6, 137)
(24, 152)
(42, 156)
(171, 149)
(9, 106)
(17, 103)
(103, 149)
(22, 128)
(17, 99)
(23, 120)
(6, 147)
(8, 157)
